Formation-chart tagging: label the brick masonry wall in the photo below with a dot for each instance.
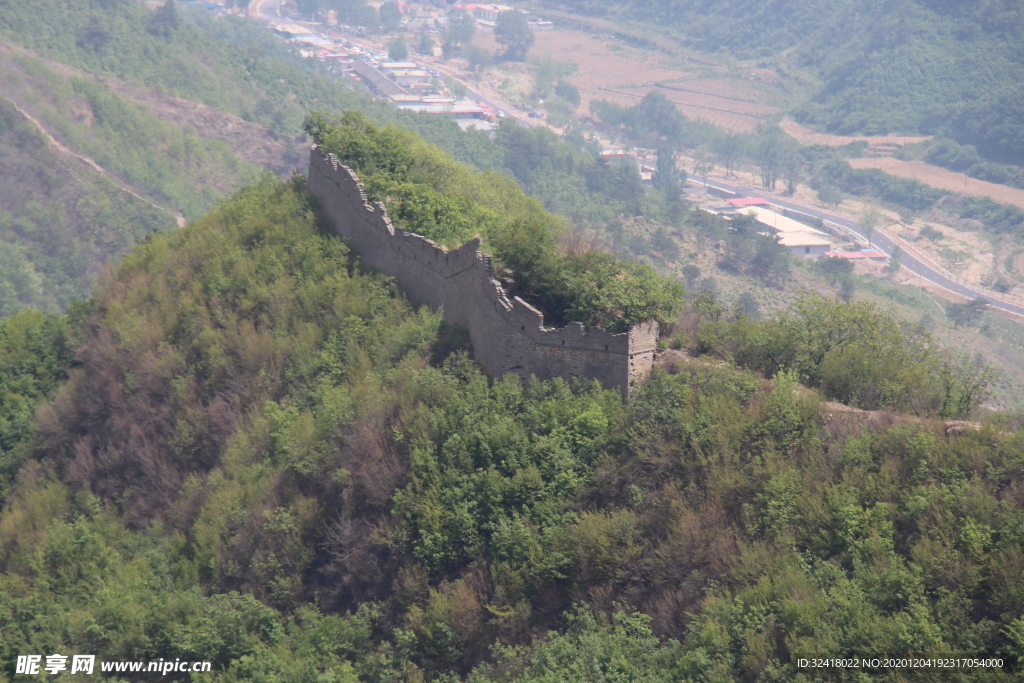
(508, 335)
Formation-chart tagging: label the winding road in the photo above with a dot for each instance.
(913, 262)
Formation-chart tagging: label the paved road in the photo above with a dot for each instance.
(879, 240)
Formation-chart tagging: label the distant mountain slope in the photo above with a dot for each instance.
(86, 175)
(60, 219)
(909, 66)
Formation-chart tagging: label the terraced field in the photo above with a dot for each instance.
(608, 70)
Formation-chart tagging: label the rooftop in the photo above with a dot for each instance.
(863, 253)
(779, 222)
(376, 80)
(801, 239)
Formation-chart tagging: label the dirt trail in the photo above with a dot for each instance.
(86, 160)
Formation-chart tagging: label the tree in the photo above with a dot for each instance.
(769, 159)
(165, 20)
(354, 12)
(691, 272)
(547, 71)
(458, 32)
(457, 88)
(790, 164)
(835, 268)
(895, 260)
(830, 195)
(478, 58)
(95, 36)
(666, 177)
(966, 313)
(730, 149)
(702, 162)
(307, 8)
(568, 92)
(847, 287)
(615, 294)
(656, 114)
(426, 44)
(398, 51)
(707, 285)
(390, 17)
(749, 306)
(513, 31)
(771, 260)
(869, 218)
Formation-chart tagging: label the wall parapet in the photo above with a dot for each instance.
(508, 334)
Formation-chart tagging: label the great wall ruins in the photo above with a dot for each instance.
(508, 335)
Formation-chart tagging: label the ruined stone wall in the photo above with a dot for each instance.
(508, 335)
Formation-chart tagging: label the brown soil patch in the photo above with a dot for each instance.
(720, 101)
(599, 64)
(669, 44)
(610, 71)
(695, 106)
(943, 179)
(739, 90)
(809, 137)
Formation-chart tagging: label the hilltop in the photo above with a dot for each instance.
(248, 450)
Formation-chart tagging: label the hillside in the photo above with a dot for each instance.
(264, 458)
(135, 129)
(916, 67)
(179, 117)
(181, 143)
(61, 219)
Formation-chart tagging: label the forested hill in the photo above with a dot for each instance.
(915, 66)
(246, 450)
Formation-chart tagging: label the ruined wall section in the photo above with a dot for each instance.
(508, 335)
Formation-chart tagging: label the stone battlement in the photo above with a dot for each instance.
(508, 334)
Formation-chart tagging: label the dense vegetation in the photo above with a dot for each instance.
(428, 193)
(918, 66)
(264, 458)
(246, 450)
(35, 351)
(852, 352)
